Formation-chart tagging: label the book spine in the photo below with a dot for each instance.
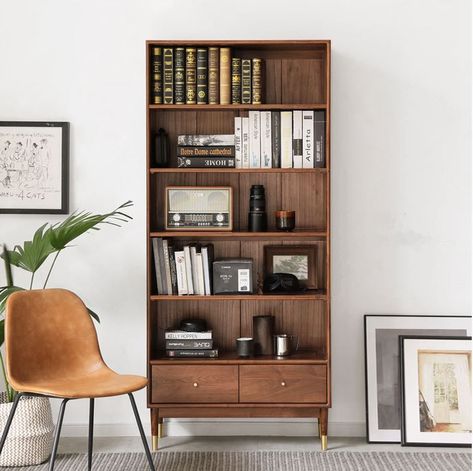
(203, 162)
(182, 335)
(181, 272)
(157, 266)
(202, 90)
(245, 142)
(205, 151)
(172, 265)
(206, 140)
(255, 139)
(179, 76)
(266, 150)
(319, 137)
(257, 82)
(167, 266)
(195, 273)
(162, 268)
(189, 344)
(276, 138)
(236, 80)
(238, 159)
(308, 139)
(192, 353)
(286, 139)
(157, 76)
(225, 75)
(188, 263)
(191, 72)
(214, 83)
(200, 273)
(246, 81)
(168, 72)
(207, 262)
(297, 139)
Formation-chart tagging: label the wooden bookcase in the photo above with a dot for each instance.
(297, 76)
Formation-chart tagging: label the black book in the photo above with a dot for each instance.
(189, 344)
(192, 353)
(276, 138)
(191, 73)
(157, 76)
(168, 71)
(157, 266)
(162, 266)
(172, 265)
(202, 88)
(236, 80)
(205, 162)
(246, 81)
(180, 76)
(319, 139)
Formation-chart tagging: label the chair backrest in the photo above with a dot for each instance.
(48, 335)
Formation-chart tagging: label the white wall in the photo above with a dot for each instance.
(401, 155)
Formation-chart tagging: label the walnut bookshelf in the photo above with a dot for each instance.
(297, 76)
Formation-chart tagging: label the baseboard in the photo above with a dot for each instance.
(224, 427)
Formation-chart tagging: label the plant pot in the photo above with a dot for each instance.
(30, 438)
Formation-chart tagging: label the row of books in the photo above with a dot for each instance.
(189, 75)
(183, 344)
(183, 272)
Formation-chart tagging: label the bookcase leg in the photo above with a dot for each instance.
(323, 426)
(155, 429)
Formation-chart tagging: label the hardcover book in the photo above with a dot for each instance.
(157, 266)
(183, 335)
(255, 139)
(246, 81)
(172, 265)
(180, 76)
(286, 139)
(181, 272)
(308, 139)
(188, 265)
(199, 265)
(206, 140)
(168, 72)
(157, 77)
(225, 75)
(236, 80)
(245, 143)
(207, 261)
(297, 139)
(162, 268)
(195, 269)
(214, 76)
(167, 266)
(266, 149)
(205, 162)
(192, 353)
(257, 82)
(238, 157)
(206, 151)
(276, 138)
(202, 76)
(191, 74)
(189, 344)
(319, 138)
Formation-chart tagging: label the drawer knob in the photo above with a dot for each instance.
(195, 385)
(283, 383)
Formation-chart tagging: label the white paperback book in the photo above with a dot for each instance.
(266, 143)
(245, 142)
(238, 162)
(255, 139)
(200, 273)
(286, 139)
(308, 139)
(297, 139)
(207, 268)
(195, 272)
(181, 272)
(188, 260)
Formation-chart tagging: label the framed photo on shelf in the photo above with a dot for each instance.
(34, 167)
(435, 390)
(298, 260)
(383, 395)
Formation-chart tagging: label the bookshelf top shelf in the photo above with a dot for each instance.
(289, 44)
(263, 106)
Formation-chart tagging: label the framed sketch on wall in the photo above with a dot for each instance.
(382, 376)
(34, 167)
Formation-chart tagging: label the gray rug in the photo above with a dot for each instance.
(267, 461)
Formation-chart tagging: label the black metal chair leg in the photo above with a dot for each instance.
(57, 434)
(142, 432)
(10, 419)
(91, 434)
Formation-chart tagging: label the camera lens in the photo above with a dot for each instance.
(257, 220)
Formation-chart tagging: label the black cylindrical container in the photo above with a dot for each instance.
(161, 148)
(263, 327)
(257, 219)
(244, 346)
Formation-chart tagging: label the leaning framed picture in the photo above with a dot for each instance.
(383, 395)
(34, 167)
(435, 390)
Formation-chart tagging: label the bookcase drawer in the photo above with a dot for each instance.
(285, 383)
(194, 384)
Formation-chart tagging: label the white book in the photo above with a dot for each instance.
(245, 142)
(238, 162)
(206, 261)
(200, 273)
(187, 256)
(308, 139)
(286, 139)
(184, 335)
(266, 143)
(255, 139)
(181, 272)
(195, 274)
(297, 139)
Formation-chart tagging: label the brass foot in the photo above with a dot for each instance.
(154, 442)
(323, 444)
(160, 430)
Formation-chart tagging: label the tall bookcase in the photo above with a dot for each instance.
(297, 77)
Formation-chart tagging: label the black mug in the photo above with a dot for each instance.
(244, 346)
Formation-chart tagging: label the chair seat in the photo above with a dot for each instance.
(102, 382)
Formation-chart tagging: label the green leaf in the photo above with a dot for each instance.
(2, 332)
(94, 315)
(5, 293)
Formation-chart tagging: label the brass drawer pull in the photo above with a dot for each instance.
(195, 385)
(283, 384)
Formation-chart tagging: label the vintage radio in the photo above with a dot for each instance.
(206, 208)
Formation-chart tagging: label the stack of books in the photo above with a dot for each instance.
(280, 139)
(182, 344)
(187, 271)
(206, 151)
(199, 75)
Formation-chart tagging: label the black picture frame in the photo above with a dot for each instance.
(404, 440)
(64, 165)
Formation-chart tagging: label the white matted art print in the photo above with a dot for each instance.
(383, 393)
(34, 163)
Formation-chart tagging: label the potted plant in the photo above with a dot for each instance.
(29, 441)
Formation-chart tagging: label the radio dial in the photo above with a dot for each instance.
(220, 218)
(176, 217)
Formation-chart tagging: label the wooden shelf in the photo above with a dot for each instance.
(231, 358)
(313, 295)
(264, 106)
(238, 170)
(299, 234)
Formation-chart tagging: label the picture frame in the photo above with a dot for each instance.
(34, 167)
(436, 391)
(382, 385)
(298, 260)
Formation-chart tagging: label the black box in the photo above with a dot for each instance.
(233, 276)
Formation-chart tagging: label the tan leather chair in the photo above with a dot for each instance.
(52, 350)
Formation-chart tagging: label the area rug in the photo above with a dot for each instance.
(266, 461)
